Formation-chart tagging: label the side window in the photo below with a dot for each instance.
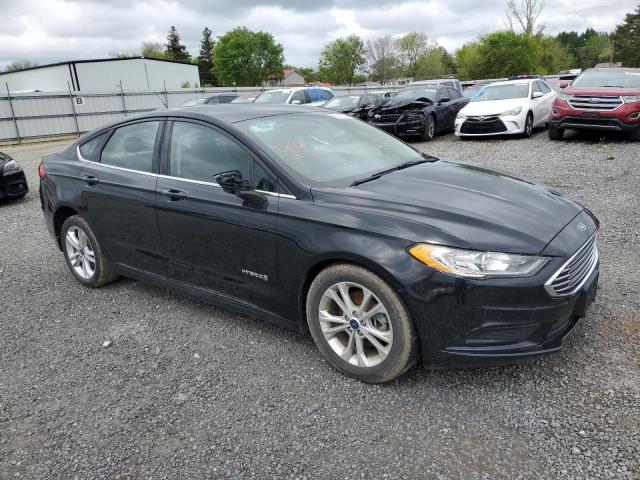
(132, 146)
(545, 88)
(535, 87)
(299, 96)
(327, 95)
(443, 93)
(455, 94)
(226, 98)
(212, 101)
(91, 149)
(368, 100)
(200, 153)
(262, 180)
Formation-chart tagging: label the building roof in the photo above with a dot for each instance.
(97, 60)
(290, 71)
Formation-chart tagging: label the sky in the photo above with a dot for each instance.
(49, 31)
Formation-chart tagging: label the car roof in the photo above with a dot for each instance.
(229, 113)
(523, 81)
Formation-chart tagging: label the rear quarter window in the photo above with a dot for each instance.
(91, 150)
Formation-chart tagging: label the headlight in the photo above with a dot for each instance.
(631, 98)
(475, 264)
(11, 165)
(511, 113)
(462, 116)
(564, 96)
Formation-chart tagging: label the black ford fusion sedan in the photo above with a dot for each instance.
(307, 217)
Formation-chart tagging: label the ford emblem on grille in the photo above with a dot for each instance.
(594, 100)
(581, 226)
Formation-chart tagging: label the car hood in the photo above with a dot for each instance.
(493, 107)
(458, 204)
(393, 103)
(600, 91)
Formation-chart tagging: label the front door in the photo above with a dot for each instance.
(119, 194)
(211, 238)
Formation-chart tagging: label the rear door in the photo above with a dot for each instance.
(446, 109)
(211, 238)
(119, 194)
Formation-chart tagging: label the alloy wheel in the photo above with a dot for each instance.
(80, 253)
(529, 126)
(355, 324)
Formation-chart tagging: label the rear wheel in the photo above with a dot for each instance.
(83, 253)
(429, 129)
(528, 126)
(360, 324)
(555, 133)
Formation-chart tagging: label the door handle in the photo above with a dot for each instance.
(90, 179)
(174, 195)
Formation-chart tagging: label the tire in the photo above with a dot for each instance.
(339, 339)
(635, 135)
(429, 129)
(90, 273)
(555, 133)
(528, 126)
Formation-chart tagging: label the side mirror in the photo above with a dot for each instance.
(295, 102)
(445, 100)
(232, 182)
(537, 95)
(564, 84)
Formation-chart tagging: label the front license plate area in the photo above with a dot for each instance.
(586, 297)
(591, 115)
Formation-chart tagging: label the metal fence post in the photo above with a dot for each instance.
(124, 104)
(73, 109)
(13, 113)
(166, 96)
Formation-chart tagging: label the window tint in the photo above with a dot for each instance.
(443, 93)
(535, 87)
(262, 180)
(212, 101)
(545, 87)
(226, 98)
(299, 96)
(90, 150)
(132, 147)
(316, 95)
(327, 95)
(200, 153)
(454, 94)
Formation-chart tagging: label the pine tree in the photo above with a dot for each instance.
(175, 50)
(205, 59)
(627, 40)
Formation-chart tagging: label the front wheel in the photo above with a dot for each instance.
(528, 126)
(555, 133)
(360, 324)
(83, 253)
(429, 129)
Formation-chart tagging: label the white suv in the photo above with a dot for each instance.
(315, 96)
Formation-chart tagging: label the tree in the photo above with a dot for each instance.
(20, 65)
(152, 50)
(411, 48)
(205, 59)
(526, 13)
(174, 49)
(122, 54)
(627, 40)
(246, 58)
(341, 59)
(382, 58)
(587, 48)
(551, 56)
(498, 54)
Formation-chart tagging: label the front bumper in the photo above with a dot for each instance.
(476, 322)
(565, 117)
(489, 125)
(408, 125)
(13, 184)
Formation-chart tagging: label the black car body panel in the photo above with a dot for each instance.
(13, 182)
(261, 260)
(405, 117)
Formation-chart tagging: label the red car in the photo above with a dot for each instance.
(606, 99)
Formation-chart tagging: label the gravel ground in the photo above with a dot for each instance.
(186, 390)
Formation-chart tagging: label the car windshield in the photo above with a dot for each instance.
(274, 97)
(193, 102)
(503, 92)
(244, 99)
(471, 91)
(342, 102)
(608, 78)
(428, 93)
(330, 150)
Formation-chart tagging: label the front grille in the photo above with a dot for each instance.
(478, 125)
(595, 104)
(386, 117)
(572, 275)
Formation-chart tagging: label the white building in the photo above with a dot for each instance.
(290, 78)
(105, 74)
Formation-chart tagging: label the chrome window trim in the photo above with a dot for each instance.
(214, 184)
(81, 158)
(549, 288)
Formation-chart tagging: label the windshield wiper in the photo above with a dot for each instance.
(402, 166)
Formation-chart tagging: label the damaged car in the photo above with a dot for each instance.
(354, 105)
(419, 112)
(13, 182)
